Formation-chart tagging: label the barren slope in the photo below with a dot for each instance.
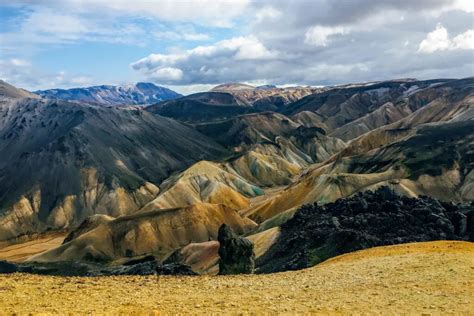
(430, 278)
(411, 166)
(157, 232)
(62, 161)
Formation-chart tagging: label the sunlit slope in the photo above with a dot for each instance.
(158, 233)
(412, 166)
(63, 161)
(430, 278)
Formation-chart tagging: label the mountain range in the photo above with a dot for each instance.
(141, 93)
(127, 182)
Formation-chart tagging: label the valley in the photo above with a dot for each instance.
(114, 191)
(236, 157)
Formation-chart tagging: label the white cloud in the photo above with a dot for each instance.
(167, 74)
(320, 35)
(439, 40)
(464, 40)
(204, 61)
(18, 62)
(250, 48)
(265, 40)
(181, 33)
(463, 5)
(267, 13)
(191, 88)
(179, 36)
(208, 12)
(42, 26)
(24, 74)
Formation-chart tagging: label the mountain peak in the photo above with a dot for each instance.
(233, 86)
(141, 93)
(9, 91)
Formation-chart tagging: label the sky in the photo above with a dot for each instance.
(191, 46)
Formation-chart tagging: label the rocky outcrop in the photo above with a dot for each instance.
(144, 267)
(87, 225)
(370, 219)
(236, 253)
(8, 267)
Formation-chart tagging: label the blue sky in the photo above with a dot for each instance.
(194, 45)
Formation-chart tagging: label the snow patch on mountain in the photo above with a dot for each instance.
(142, 93)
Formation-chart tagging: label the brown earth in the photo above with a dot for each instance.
(22, 251)
(419, 278)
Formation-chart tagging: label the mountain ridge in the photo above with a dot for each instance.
(141, 93)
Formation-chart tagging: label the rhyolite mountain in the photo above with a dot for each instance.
(7, 91)
(350, 111)
(267, 97)
(63, 161)
(229, 100)
(202, 107)
(141, 175)
(141, 93)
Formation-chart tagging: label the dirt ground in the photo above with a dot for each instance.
(424, 278)
(22, 251)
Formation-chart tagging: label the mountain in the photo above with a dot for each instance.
(133, 175)
(158, 232)
(227, 87)
(229, 100)
(7, 91)
(370, 219)
(372, 104)
(452, 102)
(267, 97)
(202, 107)
(63, 161)
(207, 182)
(273, 134)
(434, 103)
(411, 166)
(139, 94)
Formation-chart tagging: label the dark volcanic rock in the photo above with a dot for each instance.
(365, 220)
(149, 266)
(174, 269)
(236, 253)
(8, 267)
(144, 266)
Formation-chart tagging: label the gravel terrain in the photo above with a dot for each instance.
(420, 278)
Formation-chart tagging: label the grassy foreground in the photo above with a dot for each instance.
(430, 278)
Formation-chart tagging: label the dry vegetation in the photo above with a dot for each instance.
(429, 278)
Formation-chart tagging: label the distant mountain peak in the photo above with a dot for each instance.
(233, 86)
(141, 93)
(266, 87)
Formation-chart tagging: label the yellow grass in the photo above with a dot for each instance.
(430, 278)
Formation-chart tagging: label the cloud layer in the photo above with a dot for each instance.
(325, 42)
(208, 42)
